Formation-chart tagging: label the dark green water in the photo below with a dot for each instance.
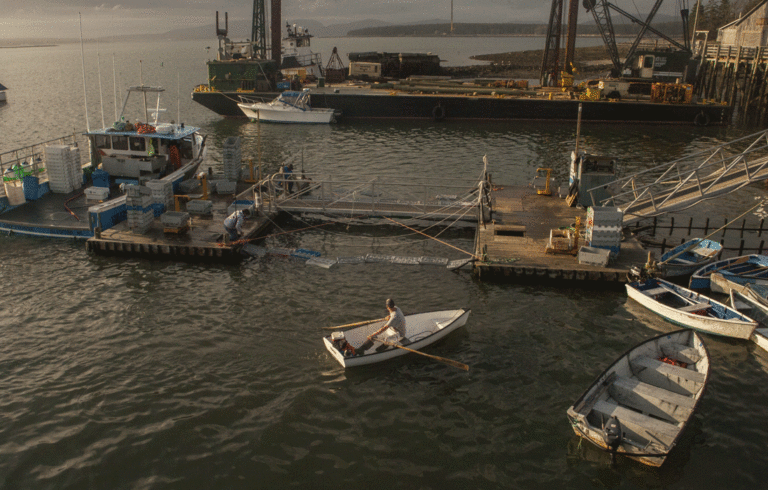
(136, 374)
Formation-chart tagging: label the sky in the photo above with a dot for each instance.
(60, 18)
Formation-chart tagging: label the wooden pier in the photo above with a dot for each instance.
(204, 239)
(736, 76)
(512, 245)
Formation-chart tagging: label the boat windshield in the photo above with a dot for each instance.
(295, 99)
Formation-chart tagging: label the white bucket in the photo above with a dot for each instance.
(15, 194)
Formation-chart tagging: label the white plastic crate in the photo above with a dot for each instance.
(199, 206)
(226, 187)
(96, 193)
(594, 256)
(174, 219)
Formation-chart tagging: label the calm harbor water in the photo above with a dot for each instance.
(134, 374)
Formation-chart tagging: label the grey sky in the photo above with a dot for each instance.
(59, 18)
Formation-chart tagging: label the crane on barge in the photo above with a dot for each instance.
(637, 65)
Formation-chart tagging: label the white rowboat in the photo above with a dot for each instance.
(690, 309)
(421, 330)
(755, 304)
(686, 258)
(639, 406)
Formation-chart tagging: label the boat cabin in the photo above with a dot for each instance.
(144, 151)
(297, 56)
(129, 154)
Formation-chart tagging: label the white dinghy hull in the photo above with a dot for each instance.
(652, 390)
(422, 329)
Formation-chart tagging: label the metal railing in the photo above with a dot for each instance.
(30, 160)
(686, 181)
(375, 195)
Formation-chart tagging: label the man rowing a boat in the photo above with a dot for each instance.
(394, 329)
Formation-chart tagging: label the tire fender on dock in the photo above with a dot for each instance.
(701, 119)
(438, 113)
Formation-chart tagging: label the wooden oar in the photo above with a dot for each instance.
(450, 362)
(744, 274)
(358, 324)
(727, 266)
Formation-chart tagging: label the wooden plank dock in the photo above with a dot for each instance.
(203, 241)
(512, 245)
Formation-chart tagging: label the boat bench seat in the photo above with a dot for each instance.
(646, 390)
(681, 352)
(664, 431)
(655, 291)
(668, 370)
(695, 307)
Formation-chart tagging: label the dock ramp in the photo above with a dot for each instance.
(684, 182)
(361, 196)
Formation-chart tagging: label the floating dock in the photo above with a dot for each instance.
(512, 245)
(202, 239)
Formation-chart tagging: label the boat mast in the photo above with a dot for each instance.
(82, 59)
(141, 80)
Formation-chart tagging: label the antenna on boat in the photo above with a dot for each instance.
(82, 60)
(141, 79)
(114, 83)
(101, 95)
(178, 98)
(114, 76)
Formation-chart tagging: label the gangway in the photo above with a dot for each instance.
(355, 196)
(684, 182)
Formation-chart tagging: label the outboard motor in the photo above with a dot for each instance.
(612, 436)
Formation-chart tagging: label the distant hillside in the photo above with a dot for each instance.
(241, 30)
(464, 29)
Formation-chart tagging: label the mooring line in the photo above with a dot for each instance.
(433, 238)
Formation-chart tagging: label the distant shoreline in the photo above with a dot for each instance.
(30, 46)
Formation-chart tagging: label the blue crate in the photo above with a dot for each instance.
(100, 178)
(159, 208)
(31, 187)
(304, 254)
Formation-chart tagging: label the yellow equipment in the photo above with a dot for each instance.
(546, 191)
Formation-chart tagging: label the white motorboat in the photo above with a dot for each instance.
(288, 107)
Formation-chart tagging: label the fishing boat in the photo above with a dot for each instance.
(640, 405)
(288, 107)
(701, 278)
(753, 301)
(688, 257)
(422, 329)
(49, 180)
(690, 309)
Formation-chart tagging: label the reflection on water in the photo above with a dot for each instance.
(135, 374)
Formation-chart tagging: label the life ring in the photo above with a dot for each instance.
(701, 119)
(438, 113)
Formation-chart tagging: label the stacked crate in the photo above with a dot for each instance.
(604, 226)
(232, 158)
(138, 202)
(162, 195)
(65, 174)
(75, 168)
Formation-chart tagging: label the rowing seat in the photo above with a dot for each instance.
(667, 376)
(655, 291)
(695, 308)
(652, 400)
(649, 428)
